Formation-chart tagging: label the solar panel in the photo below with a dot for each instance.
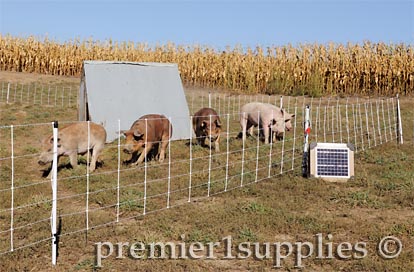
(332, 161)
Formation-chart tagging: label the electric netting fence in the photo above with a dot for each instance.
(117, 191)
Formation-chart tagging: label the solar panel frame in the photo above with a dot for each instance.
(332, 160)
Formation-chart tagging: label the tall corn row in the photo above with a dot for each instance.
(315, 69)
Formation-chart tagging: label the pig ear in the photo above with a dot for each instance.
(218, 124)
(137, 134)
(272, 122)
(289, 118)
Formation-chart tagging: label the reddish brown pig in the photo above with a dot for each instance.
(207, 124)
(147, 133)
(73, 140)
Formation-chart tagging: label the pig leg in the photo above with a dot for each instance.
(250, 130)
(200, 139)
(95, 153)
(266, 134)
(216, 144)
(73, 157)
(144, 153)
(49, 176)
(164, 145)
(203, 140)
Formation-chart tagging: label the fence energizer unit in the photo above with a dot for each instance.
(332, 161)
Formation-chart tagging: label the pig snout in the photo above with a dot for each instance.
(41, 162)
(289, 127)
(127, 151)
(45, 158)
(130, 148)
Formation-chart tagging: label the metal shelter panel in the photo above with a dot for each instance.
(125, 91)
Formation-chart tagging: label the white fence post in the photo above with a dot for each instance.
(395, 118)
(28, 93)
(324, 124)
(270, 148)
(70, 95)
(87, 179)
(258, 144)
(361, 126)
(347, 121)
(145, 167)
(191, 159)
(15, 92)
(355, 128)
(54, 192)
(294, 139)
(306, 143)
(367, 123)
(238, 109)
(318, 122)
(209, 160)
(48, 95)
(219, 104)
(8, 93)
(400, 131)
(373, 124)
(228, 104)
(243, 150)
(378, 120)
(21, 93)
(283, 143)
(63, 95)
(119, 171)
(227, 152)
(169, 162)
(56, 95)
(12, 189)
(384, 121)
(389, 119)
(333, 124)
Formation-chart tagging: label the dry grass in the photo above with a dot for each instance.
(313, 69)
(377, 203)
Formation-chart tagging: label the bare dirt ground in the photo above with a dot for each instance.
(13, 77)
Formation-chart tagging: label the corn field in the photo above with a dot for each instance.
(307, 69)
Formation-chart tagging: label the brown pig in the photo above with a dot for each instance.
(207, 124)
(147, 133)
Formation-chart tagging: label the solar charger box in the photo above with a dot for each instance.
(332, 161)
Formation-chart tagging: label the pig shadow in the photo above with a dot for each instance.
(67, 165)
(202, 145)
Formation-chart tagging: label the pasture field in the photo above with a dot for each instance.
(377, 203)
